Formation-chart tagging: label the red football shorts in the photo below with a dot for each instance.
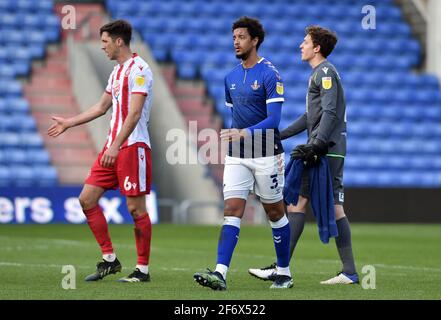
(132, 171)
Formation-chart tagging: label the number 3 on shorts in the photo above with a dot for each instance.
(274, 181)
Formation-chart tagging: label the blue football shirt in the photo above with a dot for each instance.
(247, 93)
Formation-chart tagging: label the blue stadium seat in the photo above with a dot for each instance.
(31, 140)
(47, 175)
(17, 105)
(9, 140)
(8, 20)
(429, 81)
(187, 70)
(7, 71)
(37, 51)
(26, 6)
(25, 123)
(3, 106)
(22, 176)
(5, 176)
(431, 113)
(44, 6)
(16, 156)
(10, 88)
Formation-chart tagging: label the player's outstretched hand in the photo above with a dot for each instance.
(58, 127)
(233, 134)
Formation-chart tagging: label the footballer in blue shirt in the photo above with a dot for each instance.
(255, 161)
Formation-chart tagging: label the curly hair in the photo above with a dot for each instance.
(322, 37)
(254, 27)
(118, 29)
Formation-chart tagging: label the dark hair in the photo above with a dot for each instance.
(322, 37)
(254, 27)
(118, 28)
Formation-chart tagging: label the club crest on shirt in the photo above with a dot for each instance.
(327, 83)
(255, 85)
(116, 87)
(279, 88)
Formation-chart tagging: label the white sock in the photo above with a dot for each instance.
(109, 257)
(283, 271)
(222, 269)
(143, 269)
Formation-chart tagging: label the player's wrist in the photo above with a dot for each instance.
(320, 146)
(69, 123)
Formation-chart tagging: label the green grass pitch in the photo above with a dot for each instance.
(406, 258)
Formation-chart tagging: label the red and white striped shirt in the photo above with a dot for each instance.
(132, 77)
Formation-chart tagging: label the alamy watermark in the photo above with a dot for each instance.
(69, 281)
(206, 147)
(369, 21)
(369, 281)
(69, 20)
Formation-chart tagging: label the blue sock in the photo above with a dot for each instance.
(228, 239)
(281, 237)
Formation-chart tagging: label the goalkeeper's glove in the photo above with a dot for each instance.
(298, 152)
(310, 153)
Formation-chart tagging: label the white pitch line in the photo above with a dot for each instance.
(36, 265)
(384, 265)
(407, 267)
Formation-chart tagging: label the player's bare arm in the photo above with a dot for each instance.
(62, 124)
(135, 111)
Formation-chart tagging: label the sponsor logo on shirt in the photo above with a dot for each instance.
(327, 83)
(279, 88)
(233, 86)
(255, 85)
(140, 80)
(325, 70)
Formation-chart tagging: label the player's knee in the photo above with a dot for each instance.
(339, 212)
(275, 211)
(132, 209)
(233, 209)
(299, 207)
(87, 202)
(275, 214)
(135, 211)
